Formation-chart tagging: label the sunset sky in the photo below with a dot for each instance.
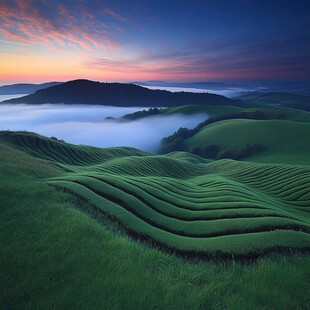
(124, 40)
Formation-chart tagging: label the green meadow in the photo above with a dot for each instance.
(118, 228)
(257, 134)
(284, 141)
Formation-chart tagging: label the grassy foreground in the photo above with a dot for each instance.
(185, 204)
(55, 254)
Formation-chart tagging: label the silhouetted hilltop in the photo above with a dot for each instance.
(117, 94)
(24, 88)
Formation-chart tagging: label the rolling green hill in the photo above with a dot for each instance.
(266, 134)
(271, 112)
(284, 141)
(284, 99)
(213, 111)
(66, 212)
(183, 203)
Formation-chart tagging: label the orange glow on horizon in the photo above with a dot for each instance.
(114, 41)
(69, 65)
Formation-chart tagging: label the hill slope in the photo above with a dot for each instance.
(117, 94)
(272, 134)
(24, 88)
(56, 254)
(283, 99)
(284, 141)
(183, 203)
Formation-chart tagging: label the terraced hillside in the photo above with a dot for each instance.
(184, 203)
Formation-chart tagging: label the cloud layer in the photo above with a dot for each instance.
(53, 24)
(88, 124)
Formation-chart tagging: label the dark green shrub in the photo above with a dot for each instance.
(206, 151)
(186, 133)
(195, 149)
(210, 151)
(56, 139)
(241, 152)
(176, 145)
(224, 154)
(281, 116)
(142, 114)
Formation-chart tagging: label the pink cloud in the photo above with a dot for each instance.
(23, 22)
(108, 11)
(197, 67)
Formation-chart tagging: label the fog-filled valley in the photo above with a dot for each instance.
(81, 124)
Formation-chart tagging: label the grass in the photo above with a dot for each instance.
(219, 110)
(278, 98)
(54, 254)
(285, 141)
(212, 111)
(264, 134)
(219, 209)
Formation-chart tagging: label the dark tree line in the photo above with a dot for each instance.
(186, 133)
(142, 114)
(213, 151)
(176, 142)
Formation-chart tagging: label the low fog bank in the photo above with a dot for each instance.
(84, 124)
(228, 92)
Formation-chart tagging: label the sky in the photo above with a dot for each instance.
(140, 40)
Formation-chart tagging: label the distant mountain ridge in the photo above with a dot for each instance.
(263, 86)
(285, 99)
(118, 94)
(24, 88)
(195, 85)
